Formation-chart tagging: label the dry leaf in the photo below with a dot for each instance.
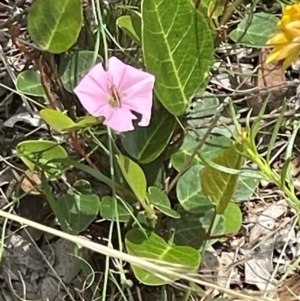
(31, 182)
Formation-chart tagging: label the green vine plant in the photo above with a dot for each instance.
(172, 222)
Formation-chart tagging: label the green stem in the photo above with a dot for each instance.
(124, 281)
(186, 295)
(274, 177)
(102, 30)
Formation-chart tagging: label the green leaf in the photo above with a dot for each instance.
(131, 25)
(218, 185)
(256, 33)
(142, 220)
(189, 192)
(75, 67)
(136, 20)
(178, 50)
(215, 8)
(212, 8)
(108, 210)
(57, 120)
(233, 218)
(190, 229)
(200, 109)
(154, 172)
(52, 200)
(62, 123)
(134, 176)
(79, 210)
(37, 153)
(275, 131)
(86, 122)
(29, 82)
(154, 247)
(245, 189)
(213, 145)
(145, 144)
(55, 25)
(160, 201)
(83, 186)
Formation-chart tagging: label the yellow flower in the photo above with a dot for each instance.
(287, 42)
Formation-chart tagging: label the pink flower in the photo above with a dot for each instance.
(116, 93)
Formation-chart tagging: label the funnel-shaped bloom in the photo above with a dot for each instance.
(116, 93)
(287, 42)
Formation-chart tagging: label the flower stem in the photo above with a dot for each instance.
(102, 27)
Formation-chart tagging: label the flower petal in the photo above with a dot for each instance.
(287, 50)
(140, 101)
(117, 71)
(121, 120)
(274, 55)
(293, 28)
(92, 90)
(292, 57)
(136, 88)
(287, 43)
(279, 38)
(125, 76)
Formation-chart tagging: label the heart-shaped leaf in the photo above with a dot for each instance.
(108, 210)
(29, 82)
(55, 25)
(199, 109)
(160, 201)
(178, 50)
(213, 145)
(154, 247)
(245, 189)
(190, 229)
(83, 186)
(131, 25)
(79, 210)
(37, 153)
(255, 30)
(189, 192)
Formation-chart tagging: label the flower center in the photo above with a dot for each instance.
(115, 98)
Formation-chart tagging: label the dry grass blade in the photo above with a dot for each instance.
(165, 270)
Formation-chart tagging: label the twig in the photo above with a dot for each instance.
(77, 146)
(44, 83)
(255, 90)
(244, 120)
(198, 147)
